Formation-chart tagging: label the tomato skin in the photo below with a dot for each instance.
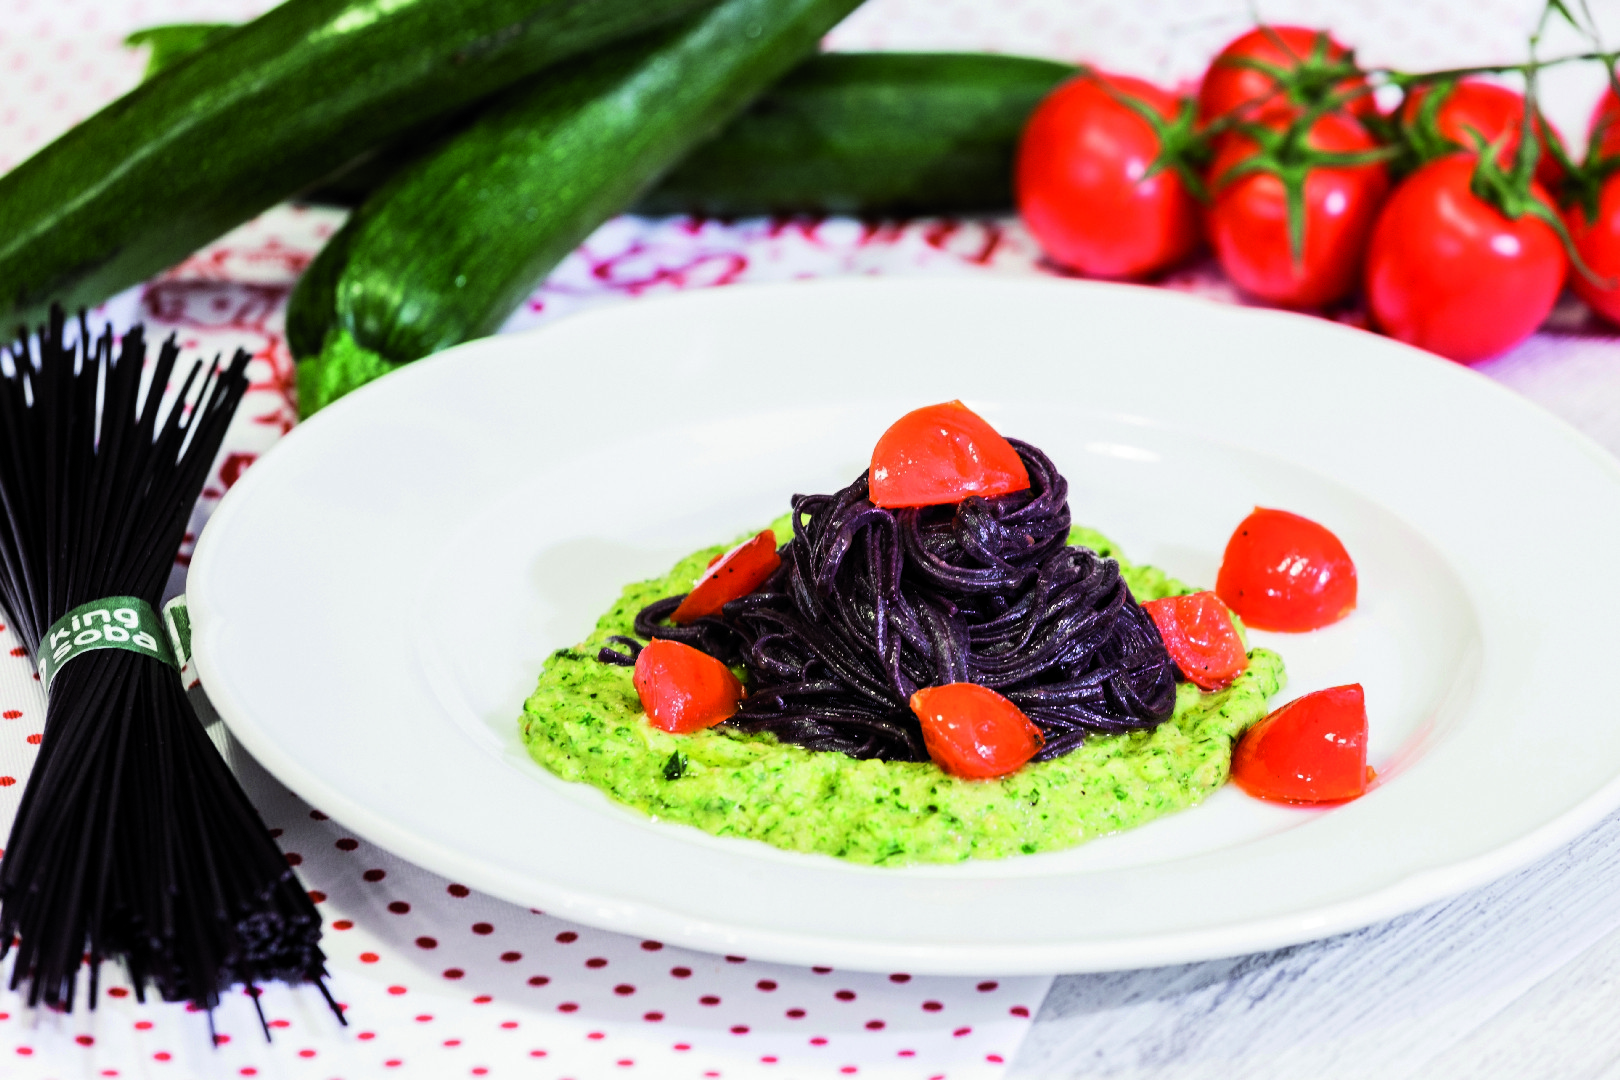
(1198, 633)
(683, 689)
(1081, 185)
(1597, 240)
(735, 574)
(1228, 86)
(973, 732)
(941, 454)
(1491, 110)
(1312, 750)
(1449, 273)
(1285, 572)
(1248, 222)
(1603, 130)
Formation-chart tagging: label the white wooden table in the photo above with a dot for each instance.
(1518, 980)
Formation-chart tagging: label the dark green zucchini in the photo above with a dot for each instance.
(262, 112)
(869, 133)
(842, 133)
(446, 250)
(173, 42)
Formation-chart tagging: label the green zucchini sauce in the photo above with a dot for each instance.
(584, 723)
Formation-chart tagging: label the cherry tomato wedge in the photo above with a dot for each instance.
(942, 454)
(735, 574)
(1285, 572)
(1312, 750)
(682, 689)
(1200, 637)
(973, 732)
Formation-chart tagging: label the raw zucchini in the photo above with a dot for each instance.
(173, 42)
(446, 249)
(265, 110)
(842, 133)
(869, 133)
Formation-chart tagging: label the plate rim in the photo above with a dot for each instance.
(1268, 932)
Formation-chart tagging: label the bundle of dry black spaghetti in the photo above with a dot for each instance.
(134, 841)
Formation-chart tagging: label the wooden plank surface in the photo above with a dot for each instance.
(1517, 980)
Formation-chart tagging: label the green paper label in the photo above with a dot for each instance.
(113, 622)
(177, 620)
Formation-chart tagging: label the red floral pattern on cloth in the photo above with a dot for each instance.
(439, 980)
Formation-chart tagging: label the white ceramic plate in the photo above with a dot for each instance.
(374, 600)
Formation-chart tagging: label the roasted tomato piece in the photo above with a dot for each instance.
(682, 689)
(1312, 750)
(942, 454)
(973, 732)
(735, 574)
(1285, 572)
(1199, 635)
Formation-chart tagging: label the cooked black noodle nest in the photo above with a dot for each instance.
(871, 604)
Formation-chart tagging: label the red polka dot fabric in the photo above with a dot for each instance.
(439, 980)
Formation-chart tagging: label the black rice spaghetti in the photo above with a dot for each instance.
(871, 604)
(134, 841)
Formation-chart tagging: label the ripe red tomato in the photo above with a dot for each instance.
(1199, 635)
(1312, 750)
(1303, 56)
(735, 574)
(1285, 572)
(942, 454)
(1248, 223)
(1447, 272)
(973, 732)
(683, 689)
(1597, 241)
(1492, 111)
(1603, 130)
(1082, 183)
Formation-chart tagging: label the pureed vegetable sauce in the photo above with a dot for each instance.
(940, 667)
(584, 723)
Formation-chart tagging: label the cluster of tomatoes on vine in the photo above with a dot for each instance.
(1456, 230)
